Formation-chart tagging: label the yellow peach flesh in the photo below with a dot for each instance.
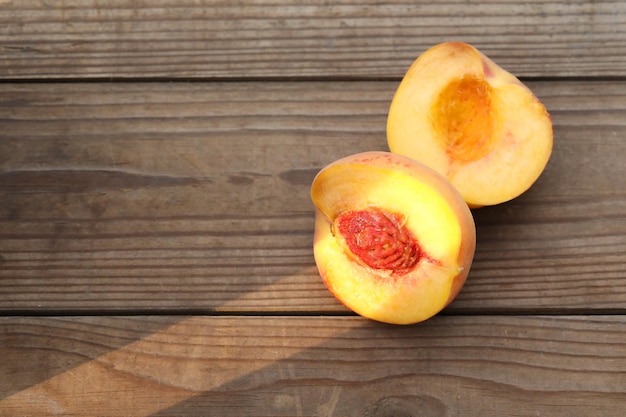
(432, 211)
(473, 122)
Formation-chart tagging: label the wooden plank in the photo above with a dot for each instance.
(453, 366)
(348, 38)
(195, 197)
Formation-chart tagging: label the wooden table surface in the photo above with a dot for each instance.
(156, 225)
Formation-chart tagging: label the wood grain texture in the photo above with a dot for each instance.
(156, 237)
(195, 197)
(348, 38)
(235, 366)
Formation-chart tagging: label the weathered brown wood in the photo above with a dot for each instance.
(461, 366)
(195, 197)
(189, 38)
(146, 205)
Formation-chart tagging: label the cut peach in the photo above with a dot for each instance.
(394, 240)
(476, 124)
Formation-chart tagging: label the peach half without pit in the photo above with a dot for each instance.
(394, 240)
(470, 120)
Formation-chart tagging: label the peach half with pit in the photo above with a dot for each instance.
(472, 121)
(394, 240)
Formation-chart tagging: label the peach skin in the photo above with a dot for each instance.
(394, 240)
(470, 120)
